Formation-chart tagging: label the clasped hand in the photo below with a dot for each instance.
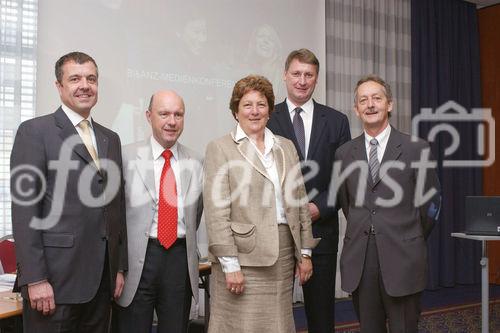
(235, 282)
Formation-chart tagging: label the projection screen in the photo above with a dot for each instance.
(198, 48)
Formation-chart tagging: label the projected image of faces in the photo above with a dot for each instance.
(195, 35)
(265, 57)
(267, 43)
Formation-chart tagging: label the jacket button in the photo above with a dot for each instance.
(374, 212)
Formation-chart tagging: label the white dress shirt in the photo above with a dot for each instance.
(382, 139)
(158, 162)
(75, 119)
(307, 118)
(267, 159)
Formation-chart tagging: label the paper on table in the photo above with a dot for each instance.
(5, 288)
(7, 280)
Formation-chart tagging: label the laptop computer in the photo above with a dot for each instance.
(482, 215)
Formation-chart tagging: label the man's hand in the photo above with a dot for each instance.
(304, 270)
(313, 211)
(235, 282)
(41, 298)
(120, 282)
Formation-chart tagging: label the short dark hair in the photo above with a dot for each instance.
(78, 57)
(150, 106)
(377, 79)
(251, 83)
(302, 55)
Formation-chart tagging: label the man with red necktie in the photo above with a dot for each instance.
(163, 200)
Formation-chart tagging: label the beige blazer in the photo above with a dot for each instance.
(240, 206)
(142, 202)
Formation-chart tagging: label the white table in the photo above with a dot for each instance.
(484, 276)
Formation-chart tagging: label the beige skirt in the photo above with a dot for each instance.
(266, 303)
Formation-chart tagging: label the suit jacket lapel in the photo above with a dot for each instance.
(393, 148)
(68, 131)
(359, 154)
(145, 168)
(279, 159)
(283, 118)
(184, 176)
(317, 128)
(248, 151)
(102, 145)
(359, 150)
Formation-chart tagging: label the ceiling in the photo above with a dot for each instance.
(484, 3)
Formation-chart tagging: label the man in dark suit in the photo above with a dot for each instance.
(316, 131)
(391, 199)
(68, 211)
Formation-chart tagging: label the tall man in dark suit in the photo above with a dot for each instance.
(68, 210)
(391, 199)
(316, 131)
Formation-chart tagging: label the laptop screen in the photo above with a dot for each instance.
(482, 215)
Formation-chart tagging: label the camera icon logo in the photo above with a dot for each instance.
(452, 112)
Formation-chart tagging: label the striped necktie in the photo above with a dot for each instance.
(373, 162)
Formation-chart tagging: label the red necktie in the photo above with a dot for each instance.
(167, 205)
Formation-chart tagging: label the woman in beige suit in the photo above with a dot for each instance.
(258, 224)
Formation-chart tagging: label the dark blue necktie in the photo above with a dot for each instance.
(298, 127)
